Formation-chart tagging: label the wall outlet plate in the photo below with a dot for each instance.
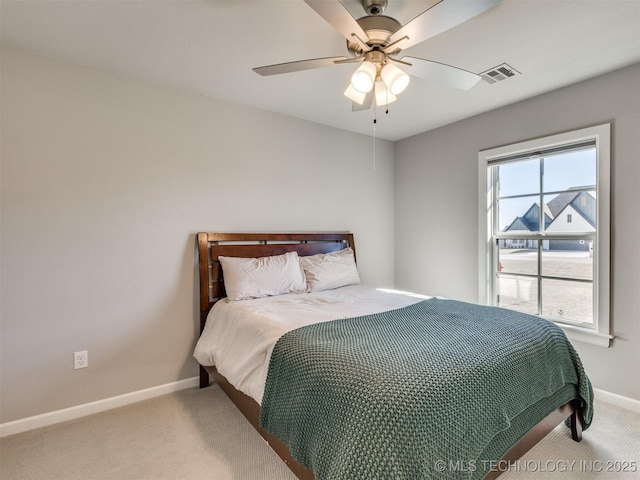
(80, 359)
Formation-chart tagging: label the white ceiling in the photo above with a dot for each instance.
(210, 46)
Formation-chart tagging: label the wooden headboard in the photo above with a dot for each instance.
(252, 245)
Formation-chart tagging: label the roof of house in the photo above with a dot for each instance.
(562, 201)
(553, 208)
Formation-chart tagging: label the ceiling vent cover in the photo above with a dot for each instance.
(499, 73)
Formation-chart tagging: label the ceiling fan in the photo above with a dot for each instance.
(376, 40)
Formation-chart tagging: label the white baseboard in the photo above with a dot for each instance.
(51, 418)
(71, 413)
(617, 400)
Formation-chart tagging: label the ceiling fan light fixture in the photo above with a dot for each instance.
(354, 95)
(364, 77)
(375, 42)
(395, 79)
(383, 95)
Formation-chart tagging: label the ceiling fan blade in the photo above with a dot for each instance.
(298, 66)
(366, 105)
(338, 17)
(439, 18)
(440, 72)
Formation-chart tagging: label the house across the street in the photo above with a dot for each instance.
(571, 211)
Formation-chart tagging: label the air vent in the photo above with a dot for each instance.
(499, 73)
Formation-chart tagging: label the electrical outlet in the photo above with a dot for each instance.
(80, 359)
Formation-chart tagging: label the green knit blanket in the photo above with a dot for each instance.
(436, 390)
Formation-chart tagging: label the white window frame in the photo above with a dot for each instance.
(600, 332)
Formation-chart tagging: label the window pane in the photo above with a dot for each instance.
(519, 178)
(518, 293)
(567, 300)
(549, 205)
(519, 214)
(568, 259)
(518, 256)
(570, 170)
(571, 211)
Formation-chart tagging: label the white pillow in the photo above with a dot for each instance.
(326, 271)
(246, 278)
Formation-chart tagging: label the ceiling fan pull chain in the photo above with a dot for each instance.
(386, 92)
(375, 121)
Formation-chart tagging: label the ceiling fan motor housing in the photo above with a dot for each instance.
(378, 28)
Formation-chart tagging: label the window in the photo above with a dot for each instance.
(544, 230)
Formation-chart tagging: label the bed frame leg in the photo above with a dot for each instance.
(576, 422)
(204, 377)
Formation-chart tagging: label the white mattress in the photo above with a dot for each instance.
(239, 337)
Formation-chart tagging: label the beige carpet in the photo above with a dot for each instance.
(198, 434)
(610, 449)
(192, 434)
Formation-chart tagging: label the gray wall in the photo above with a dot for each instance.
(436, 175)
(106, 180)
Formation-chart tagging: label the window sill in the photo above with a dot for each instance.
(583, 335)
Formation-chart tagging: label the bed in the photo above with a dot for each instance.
(267, 393)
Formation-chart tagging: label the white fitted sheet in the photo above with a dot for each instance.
(238, 337)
